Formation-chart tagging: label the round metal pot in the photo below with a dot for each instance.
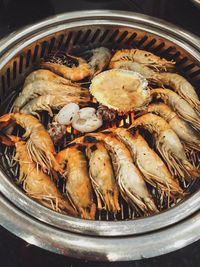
(96, 240)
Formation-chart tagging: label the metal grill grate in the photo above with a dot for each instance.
(75, 42)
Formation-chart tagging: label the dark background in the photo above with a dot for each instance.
(17, 13)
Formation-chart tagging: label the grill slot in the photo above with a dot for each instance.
(122, 37)
(166, 52)
(77, 37)
(188, 67)
(21, 64)
(86, 37)
(131, 38)
(150, 44)
(8, 77)
(158, 48)
(44, 49)
(91, 38)
(175, 56)
(96, 35)
(142, 41)
(103, 37)
(113, 36)
(3, 86)
(28, 58)
(14, 70)
(35, 54)
(51, 46)
(75, 41)
(60, 42)
(194, 74)
(69, 37)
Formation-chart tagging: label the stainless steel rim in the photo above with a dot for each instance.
(54, 24)
(16, 42)
(101, 228)
(99, 248)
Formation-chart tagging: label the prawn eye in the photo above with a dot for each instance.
(93, 148)
(81, 148)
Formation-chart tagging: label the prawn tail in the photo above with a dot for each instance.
(89, 212)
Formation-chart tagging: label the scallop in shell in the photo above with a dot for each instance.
(121, 90)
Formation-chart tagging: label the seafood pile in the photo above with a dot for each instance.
(101, 157)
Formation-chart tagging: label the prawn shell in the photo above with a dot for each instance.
(52, 102)
(182, 87)
(75, 74)
(169, 146)
(99, 60)
(183, 109)
(102, 177)
(46, 75)
(143, 57)
(39, 185)
(149, 163)
(78, 184)
(183, 129)
(39, 144)
(130, 181)
(44, 87)
(121, 90)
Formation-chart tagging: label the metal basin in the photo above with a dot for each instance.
(125, 239)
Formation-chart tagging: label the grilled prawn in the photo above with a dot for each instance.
(182, 87)
(73, 73)
(143, 57)
(169, 146)
(185, 132)
(175, 81)
(78, 184)
(99, 60)
(179, 105)
(46, 75)
(145, 71)
(42, 87)
(102, 176)
(130, 180)
(39, 145)
(49, 102)
(149, 163)
(37, 184)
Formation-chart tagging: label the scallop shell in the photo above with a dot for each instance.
(121, 90)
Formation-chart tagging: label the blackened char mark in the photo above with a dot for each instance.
(81, 148)
(70, 145)
(107, 132)
(90, 139)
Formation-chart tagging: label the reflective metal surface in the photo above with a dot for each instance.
(99, 248)
(106, 240)
(196, 3)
